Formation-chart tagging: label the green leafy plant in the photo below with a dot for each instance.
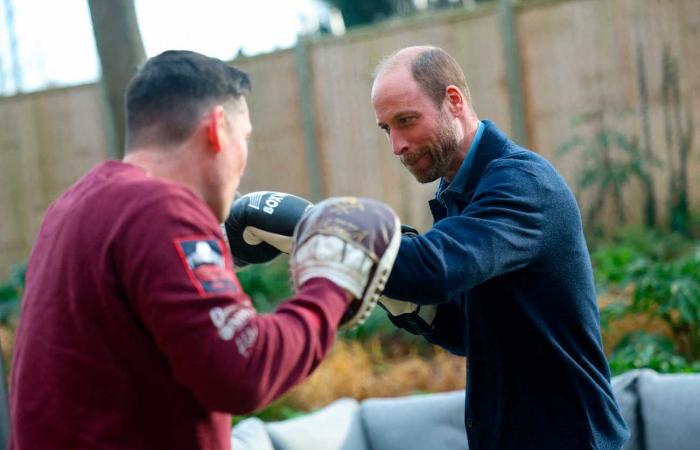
(648, 350)
(664, 285)
(266, 284)
(11, 295)
(627, 253)
(679, 132)
(609, 160)
(671, 292)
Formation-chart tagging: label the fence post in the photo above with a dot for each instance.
(515, 88)
(4, 408)
(302, 63)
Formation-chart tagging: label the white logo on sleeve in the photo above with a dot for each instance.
(234, 321)
(246, 339)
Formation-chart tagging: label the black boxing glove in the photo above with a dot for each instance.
(260, 225)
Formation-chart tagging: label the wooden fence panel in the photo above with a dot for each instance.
(577, 57)
(585, 58)
(276, 159)
(48, 140)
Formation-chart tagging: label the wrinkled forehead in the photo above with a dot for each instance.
(395, 84)
(392, 81)
(396, 91)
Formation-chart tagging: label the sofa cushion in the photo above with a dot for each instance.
(625, 390)
(250, 434)
(335, 427)
(418, 422)
(670, 406)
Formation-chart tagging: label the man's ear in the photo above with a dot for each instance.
(455, 100)
(215, 127)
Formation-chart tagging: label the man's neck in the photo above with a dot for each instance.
(170, 164)
(470, 129)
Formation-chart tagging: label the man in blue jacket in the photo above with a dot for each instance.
(503, 277)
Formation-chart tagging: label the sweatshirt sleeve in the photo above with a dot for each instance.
(177, 274)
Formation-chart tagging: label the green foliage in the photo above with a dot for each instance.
(627, 253)
(267, 284)
(671, 291)
(363, 12)
(11, 294)
(616, 264)
(377, 323)
(609, 159)
(640, 349)
(392, 340)
(663, 273)
(679, 132)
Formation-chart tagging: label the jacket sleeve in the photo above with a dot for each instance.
(498, 232)
(215, 343)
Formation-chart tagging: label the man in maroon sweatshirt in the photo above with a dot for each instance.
(134, 331)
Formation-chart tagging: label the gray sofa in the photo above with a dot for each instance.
(662, 411)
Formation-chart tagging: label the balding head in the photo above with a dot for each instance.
(432, 68)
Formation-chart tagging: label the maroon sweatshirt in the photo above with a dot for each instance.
(134, 331)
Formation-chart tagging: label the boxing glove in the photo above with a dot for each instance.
(260, 225)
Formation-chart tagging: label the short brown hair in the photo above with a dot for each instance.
(171, 90)
(434, 69)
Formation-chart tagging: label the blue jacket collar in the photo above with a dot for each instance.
(492, 145)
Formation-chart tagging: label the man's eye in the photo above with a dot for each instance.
(406, 120)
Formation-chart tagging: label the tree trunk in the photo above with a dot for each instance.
(121, 52)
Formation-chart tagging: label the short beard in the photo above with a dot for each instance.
(442, 153)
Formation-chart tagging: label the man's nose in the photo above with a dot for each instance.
(399, 145)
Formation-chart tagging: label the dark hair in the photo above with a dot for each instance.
(172, 90)
(434, 69)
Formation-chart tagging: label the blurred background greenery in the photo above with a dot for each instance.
(648, 284)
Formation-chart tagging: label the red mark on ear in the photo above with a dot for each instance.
(213, 135)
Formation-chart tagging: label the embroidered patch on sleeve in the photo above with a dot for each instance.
(205, 265)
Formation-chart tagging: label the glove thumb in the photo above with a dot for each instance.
(397, 307)
(256, 236)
